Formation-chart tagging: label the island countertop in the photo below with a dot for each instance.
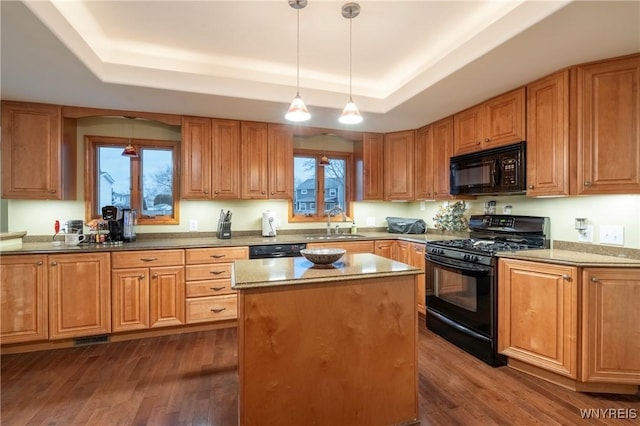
(260, 273)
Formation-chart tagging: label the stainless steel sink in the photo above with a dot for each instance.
(335, 237)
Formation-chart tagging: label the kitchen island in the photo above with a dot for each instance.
(324, 346)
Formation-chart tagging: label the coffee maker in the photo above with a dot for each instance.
(120, 223)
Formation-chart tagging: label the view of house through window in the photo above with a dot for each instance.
(318, 189)
(146, 184)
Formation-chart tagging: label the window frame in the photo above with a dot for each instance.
(92, 143)
(319, 200)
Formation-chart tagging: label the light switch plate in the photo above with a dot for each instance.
(193, 225)
(371, 221)
(612, 234)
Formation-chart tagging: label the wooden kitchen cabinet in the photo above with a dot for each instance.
(607, 135)
(416, 258)
(369, 154)
(280, 162)
(611, 325)
(422, 166)
(36, 137)
(148, 289)
(79, 295)
(538, 315)
(403, 251)
(385, 248)
(442, 152)
(548, 136)
(209, 296)
(398, 165)
(23, 299)
(496, 122)
(351, 247)
(210, 158)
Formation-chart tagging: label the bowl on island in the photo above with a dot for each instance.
(323, 256)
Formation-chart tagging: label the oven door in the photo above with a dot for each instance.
(462, 292)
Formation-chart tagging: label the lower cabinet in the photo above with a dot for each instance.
(385, 248)
(79, 295)
(23, 299)
(416, 258)
(209, 296)
(578, 327)
(148, 289)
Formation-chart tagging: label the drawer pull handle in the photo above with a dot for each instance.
(217, 310)
(218, 256)
(216, 272)
(148, 259)
(216, 288)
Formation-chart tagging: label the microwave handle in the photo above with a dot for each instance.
(495, 175)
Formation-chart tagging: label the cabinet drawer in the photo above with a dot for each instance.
(215, 308)
(207, 272)
(209, 288)
(147, 258)
(216, 254)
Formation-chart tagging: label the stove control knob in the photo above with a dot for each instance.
(475, 258)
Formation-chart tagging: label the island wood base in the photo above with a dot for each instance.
(334, 353)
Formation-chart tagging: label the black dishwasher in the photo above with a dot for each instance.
(270, 251)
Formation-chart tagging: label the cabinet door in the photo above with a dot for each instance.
(416, 259)
(398, 165)
(608, 130)
(280, 162)
(255, 160)
(23, 299)
(79, 295)
(403, 252)
(167, 296)
(611, 325)
(504, 119)
(196, 158)
(422, 170)
(368, 155)
(33, 139)
(225, 160)
(442, 152)
(385, 248)
(130, 299)
(538, 315)
(467, 134)
(548, 135)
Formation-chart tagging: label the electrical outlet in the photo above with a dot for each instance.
(612, 234)
(193, 225)
(277, 223)
(586, 236)
(422, 206)
(371, 221)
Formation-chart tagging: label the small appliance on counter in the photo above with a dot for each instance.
(268, 224)
(224, 225)
(120, 223)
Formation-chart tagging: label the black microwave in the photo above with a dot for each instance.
(492, 171)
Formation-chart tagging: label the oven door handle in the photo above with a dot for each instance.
(479, 270)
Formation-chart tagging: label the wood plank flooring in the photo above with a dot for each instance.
(191, 379)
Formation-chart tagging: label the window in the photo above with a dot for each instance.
(147, 184)
(318, 189)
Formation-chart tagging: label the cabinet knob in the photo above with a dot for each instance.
(595, 279)
(215, 192)
(153, 276)
(141, 277)
(566, 277)
(53, 191)
(206, 192)
(263, 192)
(273, 193)
(478, 143)
(530, 187)
(53, 263)
(587, 183)
(487, 139)
(39, 263)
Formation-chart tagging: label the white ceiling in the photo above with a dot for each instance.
(413, 61)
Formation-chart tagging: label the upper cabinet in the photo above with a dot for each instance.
(607, 99)
(210, 158)
(496, 122)
(442, 152)
(548, 136)
(36, 137)
(422, 166)
(368, 154)
(280, 161)
(398, 165)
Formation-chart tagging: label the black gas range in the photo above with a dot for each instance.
(462, 279)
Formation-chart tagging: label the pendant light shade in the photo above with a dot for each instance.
(129, 150)
(350, 114)
(298, 110)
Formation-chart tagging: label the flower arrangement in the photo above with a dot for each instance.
(450, 217)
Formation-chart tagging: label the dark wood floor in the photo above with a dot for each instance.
(191, 379)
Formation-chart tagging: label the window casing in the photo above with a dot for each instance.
(147, 184)
(317, 189)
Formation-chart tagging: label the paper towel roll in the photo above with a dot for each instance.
(268, 224)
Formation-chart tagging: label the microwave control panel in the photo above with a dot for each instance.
(509, 171)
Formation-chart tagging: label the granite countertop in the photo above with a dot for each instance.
(259, 273)
(201, 241)
(573, 258)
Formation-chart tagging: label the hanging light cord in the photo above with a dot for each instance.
(298, 52)
(350, 54)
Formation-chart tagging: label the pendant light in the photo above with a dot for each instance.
(129, 150)
(298, 110)
(350, 114)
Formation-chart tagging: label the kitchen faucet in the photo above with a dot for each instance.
(331, 213)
